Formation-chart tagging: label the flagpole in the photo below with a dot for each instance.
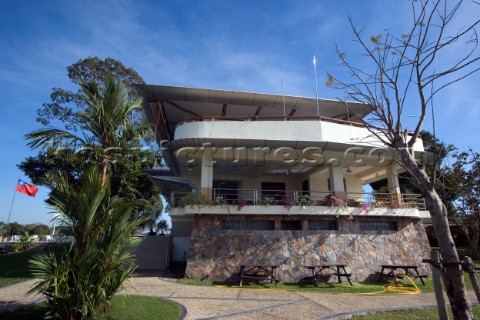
(11, 206)
(316, 85)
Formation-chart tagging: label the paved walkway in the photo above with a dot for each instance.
(239, 304)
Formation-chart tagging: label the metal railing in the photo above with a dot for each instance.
(176, 196)
(374, 198)
(390, 200)
(233, 196)
(270, 118)
(228, 196)
(414, 201)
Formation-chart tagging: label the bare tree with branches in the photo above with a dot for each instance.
(407, 72)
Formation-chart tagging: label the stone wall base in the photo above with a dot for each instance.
(216, 252)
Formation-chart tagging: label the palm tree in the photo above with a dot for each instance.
(107, 129)
(82, 281)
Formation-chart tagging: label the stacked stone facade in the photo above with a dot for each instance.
(216, 252)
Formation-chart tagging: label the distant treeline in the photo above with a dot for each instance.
(39, 229)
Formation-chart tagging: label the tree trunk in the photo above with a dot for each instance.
(474, 242)
(104, 170)
(453, 276)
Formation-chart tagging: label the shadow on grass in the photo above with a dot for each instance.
(32, 312)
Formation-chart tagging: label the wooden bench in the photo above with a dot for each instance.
(322, 278)
(389, 270)
(329, 270)
(383, 275)
(414, 276)
(346, 275)
(259, 273)
(259, 277)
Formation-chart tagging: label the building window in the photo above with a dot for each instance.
(291, 225)
(248, 225)
(273, 192)
(228, 190)
(378, 226)
(235, 225)
(322, 225)
(262, 225)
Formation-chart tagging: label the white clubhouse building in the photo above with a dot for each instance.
(262, 178)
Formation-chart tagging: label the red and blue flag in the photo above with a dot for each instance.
(26, 188)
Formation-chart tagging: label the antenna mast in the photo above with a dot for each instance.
(316, 85)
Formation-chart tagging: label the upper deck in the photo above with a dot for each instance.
(294, 132)
(189, 117)
(168, 106)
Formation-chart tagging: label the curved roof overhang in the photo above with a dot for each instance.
(167, 106)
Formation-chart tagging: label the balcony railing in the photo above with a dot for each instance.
(225, 196)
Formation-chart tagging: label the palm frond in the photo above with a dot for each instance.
(53, 138)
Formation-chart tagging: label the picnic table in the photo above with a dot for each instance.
(389, 270)
(259, 272)
(325, 271)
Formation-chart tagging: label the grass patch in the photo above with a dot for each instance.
(15, 265)
(33, 312)
(344, 287)
(123, 308)
(9, 281)
(420, 314)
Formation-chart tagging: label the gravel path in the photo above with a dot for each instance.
(228, 303)
(15, 296)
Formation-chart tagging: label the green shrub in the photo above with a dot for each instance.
(23, 244)
(193, 199)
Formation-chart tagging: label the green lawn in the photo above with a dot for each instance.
(321, 288)
(344, 287)
(123, 308)
(14, 266)
(9, 281)
(420, 314)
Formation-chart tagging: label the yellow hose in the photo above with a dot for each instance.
(392, 287)
(400, 289)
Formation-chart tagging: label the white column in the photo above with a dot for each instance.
(393, 184)
(206, 176)
(336, 181)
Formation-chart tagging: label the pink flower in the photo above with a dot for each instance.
(241, 204)
(333, 201)
(366, 208)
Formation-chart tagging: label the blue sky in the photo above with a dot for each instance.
(233, 45)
